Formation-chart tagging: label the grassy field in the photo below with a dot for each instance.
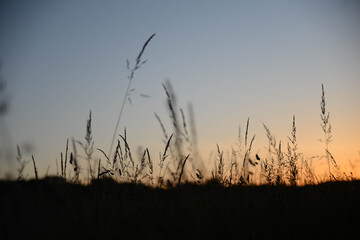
(138, 196)
(52, 208)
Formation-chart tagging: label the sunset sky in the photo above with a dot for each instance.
(265, 60)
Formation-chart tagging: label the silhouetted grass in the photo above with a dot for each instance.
(138, 63)
(276, 168)
(128, 199)
(125, 200)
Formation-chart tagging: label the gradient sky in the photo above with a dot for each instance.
(231, 59)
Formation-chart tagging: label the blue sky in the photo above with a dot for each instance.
(231, 59)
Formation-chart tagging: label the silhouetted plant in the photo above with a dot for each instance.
(274, 164)
(138, 63)
(268, 164)
(277, 167)
(335, 174)
(199, 176)
(247, 161)
(308, 175)
(182, 168)
(162, 159)
(35, 169)
(293, 156)
(218, 174)
(326, 127)
(177, 155)
(181, 137)
(73, 162)
(233, 167)
(22, 164)
(123, 166)
(88, 147)
(233, 173)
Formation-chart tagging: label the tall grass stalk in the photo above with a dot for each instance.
(181, 135)
(162, 159)
(293, 156)
(182, 168)
(274, 164)
(247, 160)
(22, 164)
(172, 108)
(66, 154)
(326, 127)
(218, 174)
(73, 161)
(88, 147)
(35, 169)
(309, 177)
(138, 63)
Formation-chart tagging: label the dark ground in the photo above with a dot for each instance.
(52, 209)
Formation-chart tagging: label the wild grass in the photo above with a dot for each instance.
(35, 169)
(238, 198)
(273, 164)
(276, 167)
(22, 164)
(88, 147)
(179, 162)
(293, 156)
(138, 63)
(326, 127)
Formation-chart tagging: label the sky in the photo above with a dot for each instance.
(232, 60)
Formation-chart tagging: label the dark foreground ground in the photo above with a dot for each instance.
(51, 209)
